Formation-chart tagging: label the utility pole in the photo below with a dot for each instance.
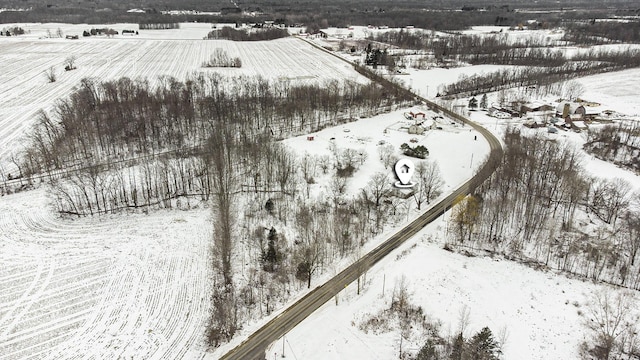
(283, 346)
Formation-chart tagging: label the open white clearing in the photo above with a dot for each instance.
(540, 310)
(130, 286)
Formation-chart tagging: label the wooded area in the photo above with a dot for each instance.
(152, 140)
(544, 77)
(540, 207)
(616, 143)
(121, 145)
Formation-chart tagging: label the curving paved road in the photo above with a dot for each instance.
(255, 346)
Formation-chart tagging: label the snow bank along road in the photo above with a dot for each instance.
(255, 346)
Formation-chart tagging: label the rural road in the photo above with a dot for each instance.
(255, 346)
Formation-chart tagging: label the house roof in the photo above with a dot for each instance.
(572, 107)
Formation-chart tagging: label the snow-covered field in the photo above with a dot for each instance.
(130, 286)
(24, 88)
(137, 286)
(127, 286)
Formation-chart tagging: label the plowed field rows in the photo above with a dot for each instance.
(24, 88)
(126, 286)
(119, 287)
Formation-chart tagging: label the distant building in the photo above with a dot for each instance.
(416, 129)
(568, 108)
(535, 107)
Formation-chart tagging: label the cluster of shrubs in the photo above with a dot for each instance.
(220, 58)
(106, 31)
(419, 151)
(229, 33)
(12, 31)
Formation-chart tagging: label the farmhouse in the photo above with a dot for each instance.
(535, 107)
(567, 108)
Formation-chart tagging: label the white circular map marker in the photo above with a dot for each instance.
(404, 171)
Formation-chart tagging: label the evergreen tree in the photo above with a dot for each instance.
(457, 348)
(483, 346)
(428, 351)
(272, 257)
(269, 206)
(473, 103)
(483, 102)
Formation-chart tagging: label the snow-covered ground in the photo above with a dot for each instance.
(24, 88)
(453, 148)
(136, 286)
(542, 312)
(616, 91)
(126, 286)
(426, 82)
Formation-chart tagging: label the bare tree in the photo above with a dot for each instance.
(572, 89)
(386, 155)
(70, 63)
(308, 260)
(51, 74)
(609, 198)
(612, 323)
(219, 152)
(465, 216)
(429, 182)
(379, 187)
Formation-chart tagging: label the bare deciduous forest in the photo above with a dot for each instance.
(619, 144)
(544, 77)
(437, 15)
(135, 146)
(539, 208)
(540, 64)
(121, 145)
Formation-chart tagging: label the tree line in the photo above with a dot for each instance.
(589, 63)
(605, 31)
(258, 34)
(538, 207)
(496, 49)
(126, 119)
